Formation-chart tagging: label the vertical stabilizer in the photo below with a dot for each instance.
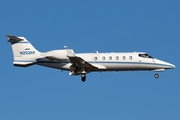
(24, 53)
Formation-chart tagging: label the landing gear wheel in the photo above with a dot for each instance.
(83, 77)
(156, 75)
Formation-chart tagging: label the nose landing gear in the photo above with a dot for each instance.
(156, 75)
(83, 77)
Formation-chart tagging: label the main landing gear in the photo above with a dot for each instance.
(156, 75)
(83, 77)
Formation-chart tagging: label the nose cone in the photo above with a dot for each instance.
(171, 65)
(166, 65)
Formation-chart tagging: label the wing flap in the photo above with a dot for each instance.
(79, 62)
(99, 66)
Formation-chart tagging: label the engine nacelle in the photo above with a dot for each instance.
(58, 55)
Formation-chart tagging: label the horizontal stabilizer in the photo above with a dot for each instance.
(23, 63)
(13, 38)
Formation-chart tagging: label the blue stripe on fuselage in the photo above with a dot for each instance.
(133, 63)
(97, 62)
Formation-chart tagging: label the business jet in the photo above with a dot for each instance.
(83, 63)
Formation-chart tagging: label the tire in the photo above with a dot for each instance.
(156, 76)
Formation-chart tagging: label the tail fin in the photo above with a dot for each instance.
(24, 53)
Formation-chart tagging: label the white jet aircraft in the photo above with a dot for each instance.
(81, 64)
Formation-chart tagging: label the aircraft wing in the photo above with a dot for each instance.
(77, 61)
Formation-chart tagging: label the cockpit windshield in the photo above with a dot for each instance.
(145, 56)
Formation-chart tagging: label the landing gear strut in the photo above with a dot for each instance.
(83, 77)
(156, 75)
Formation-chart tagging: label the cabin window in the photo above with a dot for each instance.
(123, 57)
(130, 57)
(103, 58)
(110, 58)
(95, 58)
(117, 57)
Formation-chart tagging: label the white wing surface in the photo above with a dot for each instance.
(79, 62)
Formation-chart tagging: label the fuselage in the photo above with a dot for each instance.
(133, 61)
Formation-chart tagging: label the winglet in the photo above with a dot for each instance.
(69, 53)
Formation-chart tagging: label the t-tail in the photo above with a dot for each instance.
(24, 53)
